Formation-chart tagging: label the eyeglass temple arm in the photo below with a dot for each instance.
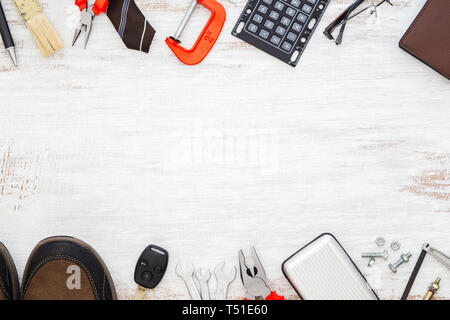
(340, 20)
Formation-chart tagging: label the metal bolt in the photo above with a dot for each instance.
(381, 254)
(403, 258)
(432, 289)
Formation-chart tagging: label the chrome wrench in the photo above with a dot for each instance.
(224, 277)
(203, 276)
(438, 255)
(186, 272)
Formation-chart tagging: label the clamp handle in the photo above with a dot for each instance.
(100, 6)
(207, 38)
(82, 4)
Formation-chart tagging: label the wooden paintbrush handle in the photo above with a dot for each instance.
(41, 29)
(28, 8)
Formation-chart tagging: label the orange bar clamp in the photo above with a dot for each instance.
(207, 38)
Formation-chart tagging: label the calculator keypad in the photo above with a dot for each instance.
(279, 5)
(295, 3)
(269, 24)
(281, 28)
(263, 9)
(306, 8)
(275, 40)
(302, 17)
(279, 22)
(274, 15)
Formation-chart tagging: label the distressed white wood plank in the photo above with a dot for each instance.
(123, 149)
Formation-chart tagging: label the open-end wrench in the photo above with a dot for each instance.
(203, 276)
(438, 255)
(186, 272)
(224, 277)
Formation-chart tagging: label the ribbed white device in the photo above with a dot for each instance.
(322, 270)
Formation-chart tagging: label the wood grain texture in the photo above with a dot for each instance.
(123, 149)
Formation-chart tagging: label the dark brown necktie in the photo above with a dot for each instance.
(131, 24)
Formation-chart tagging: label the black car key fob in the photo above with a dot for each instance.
(150, 268)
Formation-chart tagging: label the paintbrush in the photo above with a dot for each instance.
(43, 32)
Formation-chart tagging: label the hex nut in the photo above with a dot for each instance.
(405, 257)
(380, 241)
(395, 245)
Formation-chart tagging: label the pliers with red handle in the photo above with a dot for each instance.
(254, 279)
(88, 13)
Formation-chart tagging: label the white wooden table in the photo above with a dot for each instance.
(123, 149)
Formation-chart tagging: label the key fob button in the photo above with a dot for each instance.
(143, 263)
(147, 276)
(157, 269)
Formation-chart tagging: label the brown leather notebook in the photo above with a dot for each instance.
(428, 37)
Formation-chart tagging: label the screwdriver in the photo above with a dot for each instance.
(7, 37)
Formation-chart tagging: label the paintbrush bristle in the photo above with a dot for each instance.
(44, 34)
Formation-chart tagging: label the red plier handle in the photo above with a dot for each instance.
(82, 4)
(100, 6)
(274, 296)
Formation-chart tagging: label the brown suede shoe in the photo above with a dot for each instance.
(65, 268)
(9, 282)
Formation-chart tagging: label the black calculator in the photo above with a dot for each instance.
(282, 28)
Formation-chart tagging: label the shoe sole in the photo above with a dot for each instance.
(13, 271)
(82, 244)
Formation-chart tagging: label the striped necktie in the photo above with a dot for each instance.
(131, 24)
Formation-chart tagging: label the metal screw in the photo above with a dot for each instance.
(403, 258)
(382, 254)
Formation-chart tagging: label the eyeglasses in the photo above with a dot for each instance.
(347, 15)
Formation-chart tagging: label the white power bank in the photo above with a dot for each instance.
(322, 270)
